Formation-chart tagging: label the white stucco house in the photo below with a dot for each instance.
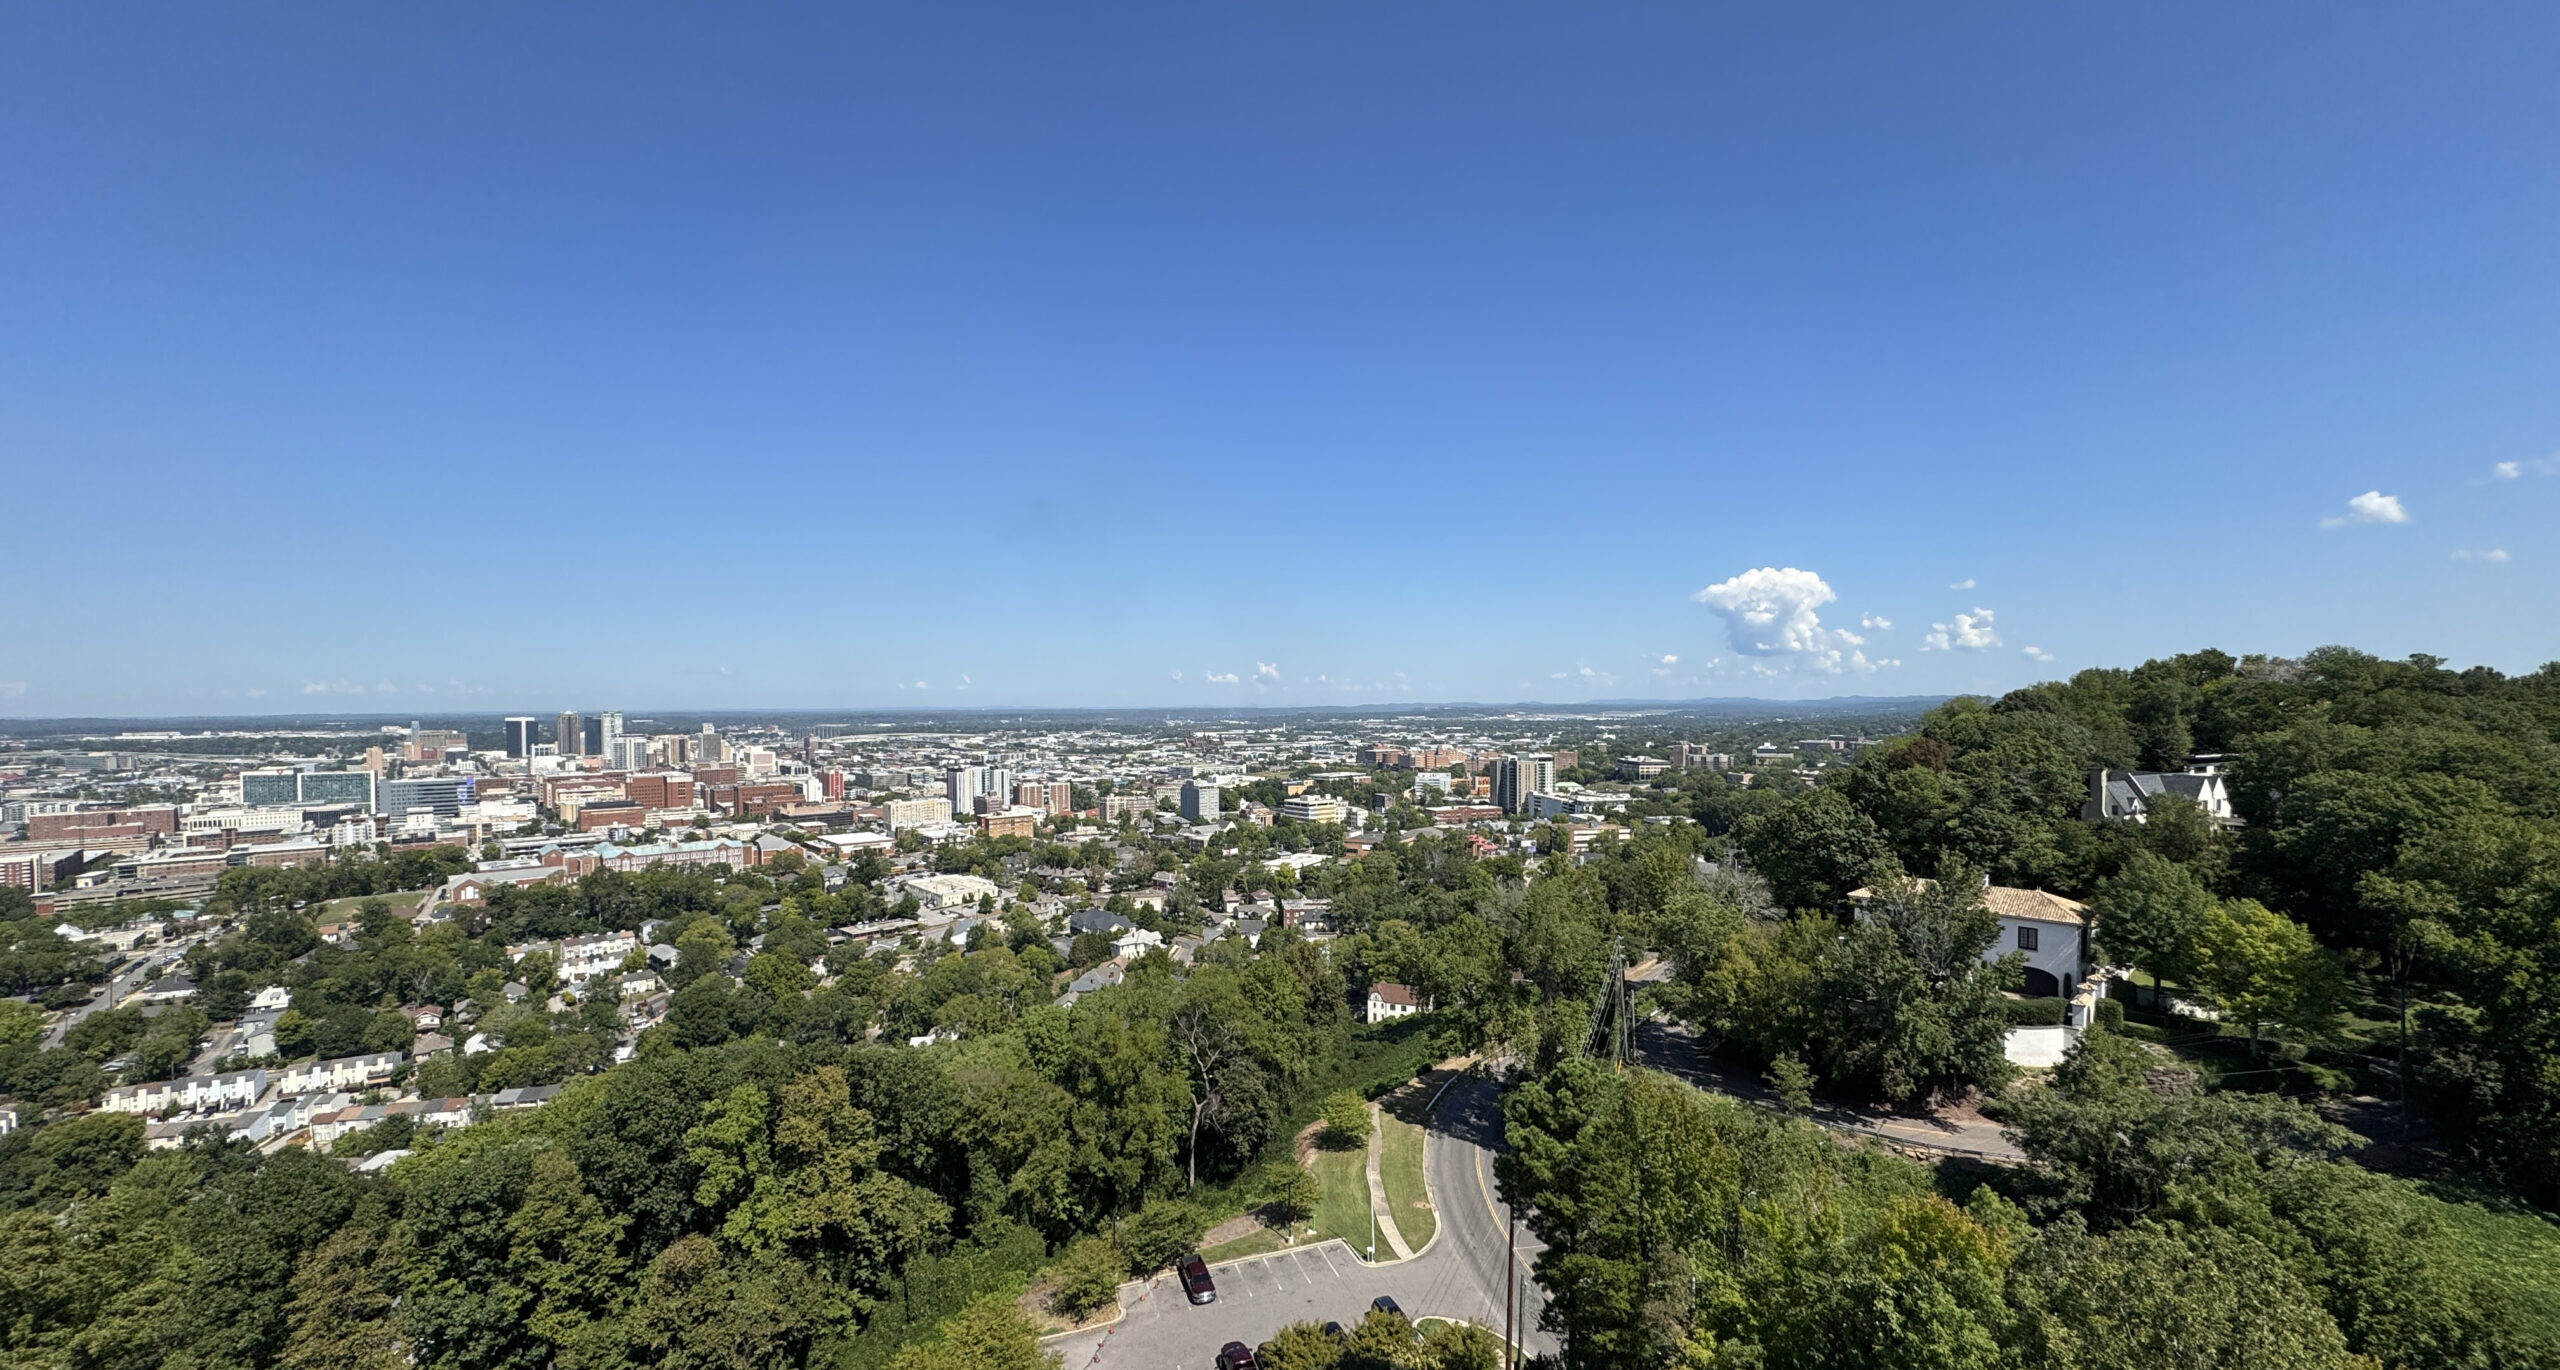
(2050, 933)
(1387, 999)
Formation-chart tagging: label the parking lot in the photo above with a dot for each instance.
(1259, 1295)
(1458, 1275)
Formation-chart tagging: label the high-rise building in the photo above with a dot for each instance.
(629, 754)
(1315, 808)
(522, 733)
(606, 729)
(443, 796)
(962, 785)
(280, 787)
(1515, 778)
(1054, 797)
(915, 813)
(567, 736)
(1199, 802)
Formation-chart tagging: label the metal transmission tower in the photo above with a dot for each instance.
(1612, 1014)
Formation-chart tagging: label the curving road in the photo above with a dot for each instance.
(1458, 1274)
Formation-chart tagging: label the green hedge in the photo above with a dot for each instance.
(2034, 1012)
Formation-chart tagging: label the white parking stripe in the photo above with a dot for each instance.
(1328, 1262)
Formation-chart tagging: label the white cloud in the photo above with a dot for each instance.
(11, 689)
(2038, 654)
(1964, 584)
(1266, 670)
(2507, 470)
(1177, 675)
(914, 685)
(2372, 506)
(1219, 677)
(331, 687)
(2481, 554)
(1874, 622)
(1969, 633)
(1771, 612)
(253, 694)
(1669, 659)
(386, 688)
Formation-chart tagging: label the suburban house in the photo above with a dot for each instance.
(580, 959)
(2050, 932)
(1103, 976)
(195, 1094)
(2125, 796)
(1387, 999)
(343, 1072)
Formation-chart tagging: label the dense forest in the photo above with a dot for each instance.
(771, 1182)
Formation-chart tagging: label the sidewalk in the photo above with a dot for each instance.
(1378, 1209)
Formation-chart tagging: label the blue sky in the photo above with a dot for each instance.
(501, 356)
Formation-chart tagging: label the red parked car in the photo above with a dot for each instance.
(1235, 1355)
(1196, 1284)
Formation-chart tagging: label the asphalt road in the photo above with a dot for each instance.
(1457, 1275)
(153, 964)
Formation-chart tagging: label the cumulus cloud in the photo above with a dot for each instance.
(1773, 612)
(2038, 654)
(11, 689)
(331, 687)
(1177, 675)
(2372, 506)
(1964, 584)
(1219, 677)
(913, 685)
(1874, 622)
(1669, 659)
(1969, 633)
(2480, 554)
(1265, 670)
(2507, 470)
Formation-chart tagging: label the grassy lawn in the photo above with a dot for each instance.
(1343, 1208)
(346, 908)
(1400, 1170)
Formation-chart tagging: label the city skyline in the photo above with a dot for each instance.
(1204, 359)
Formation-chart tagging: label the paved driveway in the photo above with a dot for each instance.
(1458, 1275)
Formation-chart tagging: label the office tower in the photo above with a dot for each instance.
(629, 754)
(997, 781)
(709, 748)
(522, 733)
(280, 787)
(608, 730)
(1515, 778)
(566, 736)
(443, 796)
(1199, 802)
(962, 785)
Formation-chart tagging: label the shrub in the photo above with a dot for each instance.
(1346, 1120)
(2034, 1012)
(1162, 1230)
(1088, 1274)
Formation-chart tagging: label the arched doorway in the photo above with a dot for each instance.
(2041, 985)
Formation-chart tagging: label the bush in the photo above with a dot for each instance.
(1088, 1274)
(1346, 1120)
(2034, 1012)
(1162, 1230)
(1294, 1191)
(2111, 1015)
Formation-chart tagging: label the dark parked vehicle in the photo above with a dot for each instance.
(1336, 1331)
(1196, 1284)
(1383, 1304)
(1235, 1356)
